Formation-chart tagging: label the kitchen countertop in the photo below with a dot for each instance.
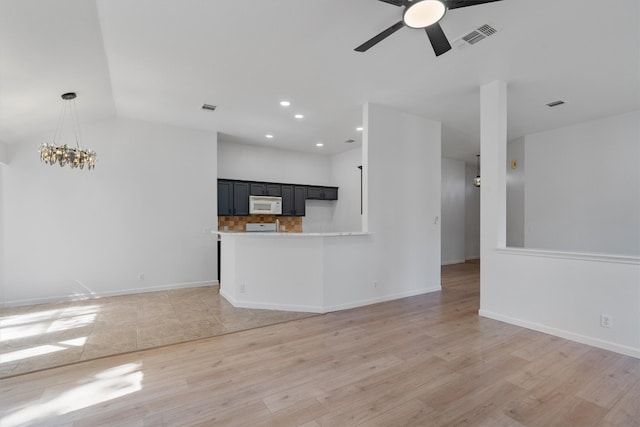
(289, 234)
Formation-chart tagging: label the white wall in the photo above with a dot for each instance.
(453, 211)
(471, 215)
(252, 162)
(257, 163)
(144, 209)
(4, 153)
(346, 175)
(402, 199)
(554, 292)
(583, 187)
(515, 193)
(2, 234)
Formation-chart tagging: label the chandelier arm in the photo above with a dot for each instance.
(76, 127)
(58, 134)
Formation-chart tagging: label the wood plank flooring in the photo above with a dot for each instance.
(428, 360)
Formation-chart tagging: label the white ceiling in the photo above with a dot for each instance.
(160, 60)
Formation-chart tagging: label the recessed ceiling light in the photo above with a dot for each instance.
(359, 128)
(285, 103)
(268, 136)
(299, 116)
(319, 144)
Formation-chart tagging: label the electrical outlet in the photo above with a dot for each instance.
(375, 284)
(141, 277)
(606, 320)
(242, 289)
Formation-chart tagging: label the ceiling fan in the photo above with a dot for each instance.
(422, 14)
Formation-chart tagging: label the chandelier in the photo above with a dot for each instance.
(75, 157)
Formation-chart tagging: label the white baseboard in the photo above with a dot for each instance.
(376, 300)
(325, 309)
(87, 295)
(583, 339)
(266, 306)
(453, 261)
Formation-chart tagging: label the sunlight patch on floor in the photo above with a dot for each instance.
(37, 323)
(29, 352)
(106, 385)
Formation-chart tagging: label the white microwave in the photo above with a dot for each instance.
(266, 205)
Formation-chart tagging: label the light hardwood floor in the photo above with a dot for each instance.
(423, 361)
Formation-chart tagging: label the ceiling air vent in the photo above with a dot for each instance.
(350, 141)
(473, 37)
(555, 103)
(208, 107)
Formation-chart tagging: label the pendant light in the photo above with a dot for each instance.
(476, 180)
(74, 157)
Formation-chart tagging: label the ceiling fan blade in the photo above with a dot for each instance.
(457, 4)
(377, 39)
(394, 2)
(438, 39)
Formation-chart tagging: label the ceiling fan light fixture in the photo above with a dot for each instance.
(423, 13)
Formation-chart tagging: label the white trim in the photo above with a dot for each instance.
(607, 345)
(376, 300)
(325, 309)
(79, 296)
(290, 234)
(266, 306)
(451, 262)
(582, 256)
(472, 258)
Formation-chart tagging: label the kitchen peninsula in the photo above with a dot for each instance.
(312, 272)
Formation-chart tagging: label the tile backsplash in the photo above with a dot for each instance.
(288, 224)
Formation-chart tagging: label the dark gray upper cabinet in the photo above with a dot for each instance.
(300, 197)
(274, 190)
(225, 198)
(233, 198)
(330, 193)
(240, 198)
(258, 189)
(293, 198)
(315, 192)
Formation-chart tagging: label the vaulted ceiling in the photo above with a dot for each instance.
(160, 60)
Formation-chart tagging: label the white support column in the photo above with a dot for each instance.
(4, 153)
(493, 188)
(493, 157)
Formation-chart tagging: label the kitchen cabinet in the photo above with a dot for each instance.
(274, 190)
(258, 189)
(315, 192)
(265, 189)
(233, 198)
(293, 200)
